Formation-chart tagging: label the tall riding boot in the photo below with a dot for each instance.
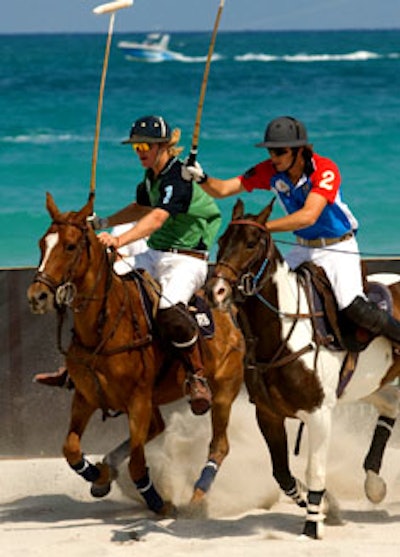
(378, 321)
(196, 383)
(180, 329)
(59, 378)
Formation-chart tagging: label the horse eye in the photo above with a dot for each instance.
(251, 245)
(70, 247)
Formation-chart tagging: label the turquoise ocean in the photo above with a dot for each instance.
(345, 86)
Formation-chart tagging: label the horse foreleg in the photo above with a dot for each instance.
(274, 433)
(81, 413)
(218, 450)
(116, 457)
(140, 415)
(319, 425)
(224, 394)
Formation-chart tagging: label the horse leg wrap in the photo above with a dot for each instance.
(314, 525)
(383, 431)
(296, 494)
(207, 476)
(148, 492)
(87, 470)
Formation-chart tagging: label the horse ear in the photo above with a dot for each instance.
(238, 210)
(265, 213)
(52, 207)
(87, 209)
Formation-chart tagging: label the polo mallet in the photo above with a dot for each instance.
(109, 7)
(196, 130)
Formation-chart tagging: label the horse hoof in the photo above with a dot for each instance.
(375, 487)
(168, 510)
(194, 510)
(313, 530)
(100, 490)
(331, 510)
(102, 487)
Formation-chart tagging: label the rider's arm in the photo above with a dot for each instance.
(148, 224)
(222, 188)
(303, 218)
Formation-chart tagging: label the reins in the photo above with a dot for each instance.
(250, 284)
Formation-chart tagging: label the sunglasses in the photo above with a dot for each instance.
(279, 151)
(141, 147)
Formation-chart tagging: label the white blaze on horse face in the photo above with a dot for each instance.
(221, 291)
(51, 241)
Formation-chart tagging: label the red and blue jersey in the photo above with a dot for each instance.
(335, 220)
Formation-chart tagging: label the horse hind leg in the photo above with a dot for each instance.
(375, 486)
(386, 400)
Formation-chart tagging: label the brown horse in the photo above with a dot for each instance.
(289, 374)
(116, 360)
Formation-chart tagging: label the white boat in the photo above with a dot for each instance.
(153, 49)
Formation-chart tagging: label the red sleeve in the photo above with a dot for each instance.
(258, 177)
(325, 179)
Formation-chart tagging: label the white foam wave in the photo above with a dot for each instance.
(358, 55)
(44, 138)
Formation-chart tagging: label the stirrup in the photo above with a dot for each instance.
(200, 397)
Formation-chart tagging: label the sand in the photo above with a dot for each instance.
(47, 510)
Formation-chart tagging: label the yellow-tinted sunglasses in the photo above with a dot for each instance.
(141, 147)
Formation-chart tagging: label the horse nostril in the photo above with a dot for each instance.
(43, 296)
(221, 291)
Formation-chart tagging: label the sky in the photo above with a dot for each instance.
(75, 16)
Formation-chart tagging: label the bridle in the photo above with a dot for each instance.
(249, 283)
(64, 290)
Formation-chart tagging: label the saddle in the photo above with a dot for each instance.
(331, 327)
(150, 291)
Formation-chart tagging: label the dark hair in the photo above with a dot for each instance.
(308, 164)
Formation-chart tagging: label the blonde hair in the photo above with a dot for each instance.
(173, 149)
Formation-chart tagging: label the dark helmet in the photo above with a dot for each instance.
(284, 131)
(149, 129)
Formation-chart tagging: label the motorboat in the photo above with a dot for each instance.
(153, 49)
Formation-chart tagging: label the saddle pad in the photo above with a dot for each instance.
(380, 295)
(200, 310)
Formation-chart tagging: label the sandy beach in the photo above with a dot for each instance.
(47, 510)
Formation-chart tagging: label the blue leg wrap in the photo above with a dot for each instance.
(148, 492)
(87, 470)
(207, 476)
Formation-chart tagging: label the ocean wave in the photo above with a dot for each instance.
(357, 56)
(44, 138)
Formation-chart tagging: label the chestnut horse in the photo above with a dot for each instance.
(290, 374)
(116, 360)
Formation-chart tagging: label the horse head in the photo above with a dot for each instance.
(65, 257)
(245, 251)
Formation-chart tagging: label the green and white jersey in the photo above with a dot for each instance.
(194, 218)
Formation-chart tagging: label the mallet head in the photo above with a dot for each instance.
(112, 6)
